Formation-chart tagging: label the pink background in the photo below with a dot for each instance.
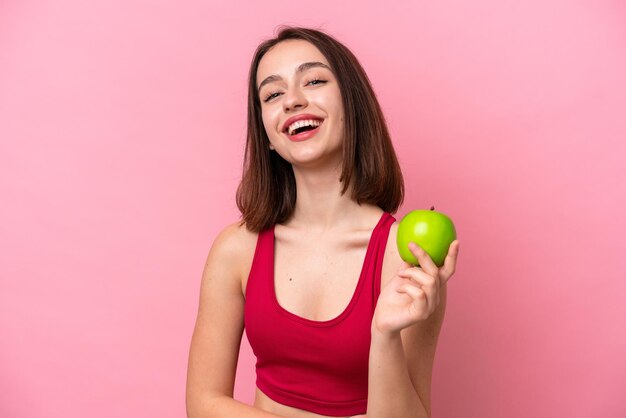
(122, 127)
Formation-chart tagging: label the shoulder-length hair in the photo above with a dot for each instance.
(267, 192)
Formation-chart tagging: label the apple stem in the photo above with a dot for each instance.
(432, 208)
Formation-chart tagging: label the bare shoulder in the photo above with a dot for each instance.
(235, 246)
(234, 239)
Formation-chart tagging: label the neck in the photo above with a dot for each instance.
(320, 205)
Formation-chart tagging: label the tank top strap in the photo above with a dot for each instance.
(262, 266)
(380, 244)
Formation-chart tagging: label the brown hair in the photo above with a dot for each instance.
(267, 192)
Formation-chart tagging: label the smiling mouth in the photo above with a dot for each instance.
(304, 128)
(303, 133)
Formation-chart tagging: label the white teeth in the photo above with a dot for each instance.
(301, 123)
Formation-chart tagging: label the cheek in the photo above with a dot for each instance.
(270, 122)
(339, 115)
(337, 104)
(265, 124)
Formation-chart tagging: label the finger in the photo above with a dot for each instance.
(419, 296)
(426, 263)
(413, 290)
(449, 265)
(428, 284)
(420, 277)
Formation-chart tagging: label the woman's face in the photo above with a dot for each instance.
(287, 90)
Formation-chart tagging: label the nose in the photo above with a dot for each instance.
(294, 98)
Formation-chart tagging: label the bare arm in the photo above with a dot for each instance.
(400, 368)
(408, 320)
(217, 335)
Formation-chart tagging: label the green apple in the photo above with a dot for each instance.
(431, 230)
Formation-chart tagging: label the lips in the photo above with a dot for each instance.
(303, 116)
(303, 136)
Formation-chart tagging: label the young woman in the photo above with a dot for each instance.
(339, 324)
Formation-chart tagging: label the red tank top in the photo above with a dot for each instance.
(318, 366)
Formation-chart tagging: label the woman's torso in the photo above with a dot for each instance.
(301, 259)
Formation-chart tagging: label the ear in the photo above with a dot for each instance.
(272, 147)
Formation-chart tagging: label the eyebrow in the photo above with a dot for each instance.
(301, 68)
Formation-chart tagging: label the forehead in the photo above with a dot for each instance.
(285, 56)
